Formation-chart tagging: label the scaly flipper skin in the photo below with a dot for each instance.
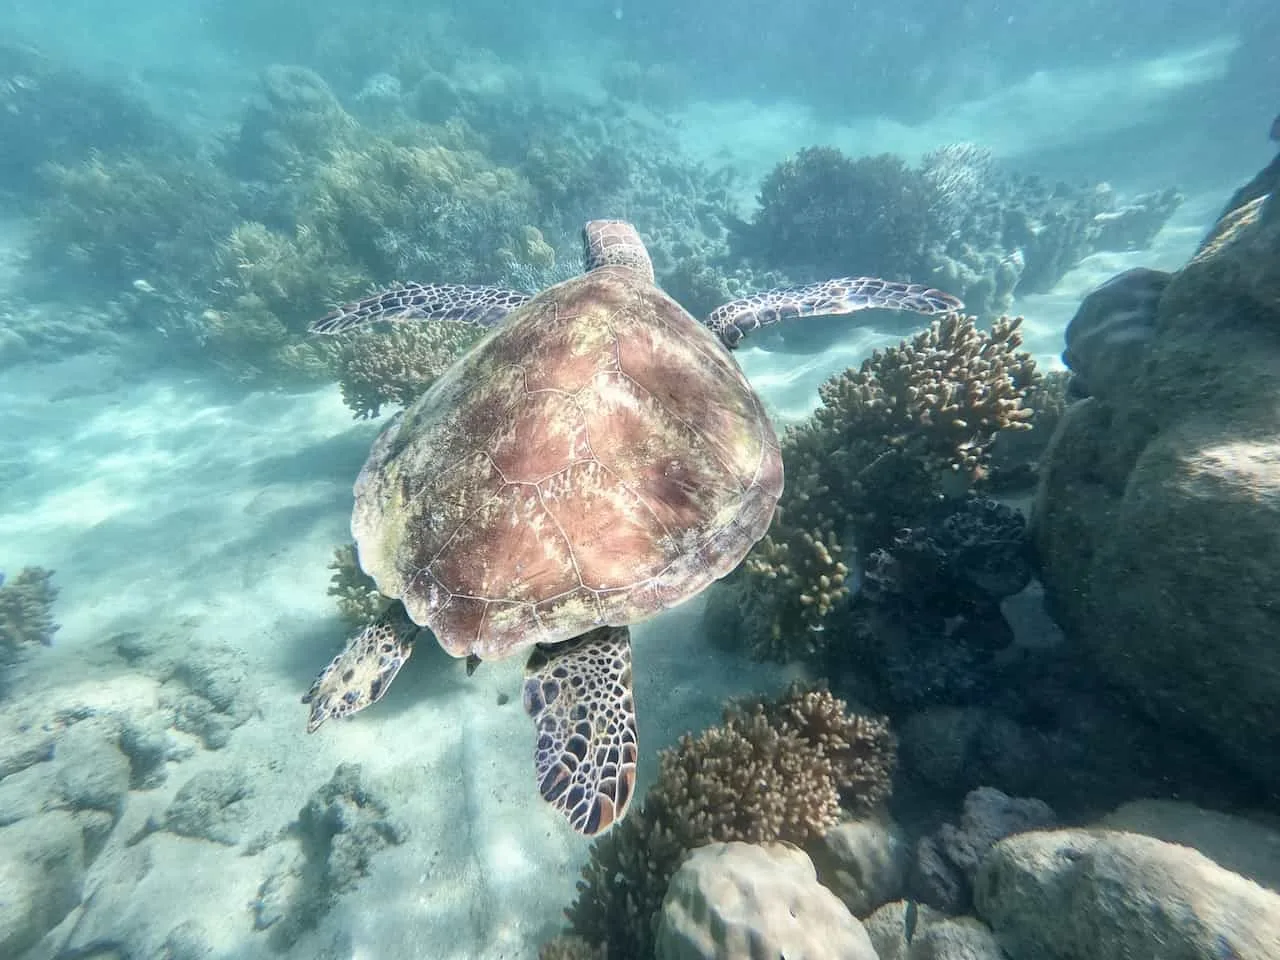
(579, 696)
(482, 306)
(735, 319)
(362, 672)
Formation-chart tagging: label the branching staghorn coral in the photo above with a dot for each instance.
(26, 617)
(912, 424)
(783, 770)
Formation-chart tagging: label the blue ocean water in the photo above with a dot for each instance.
(185, 189)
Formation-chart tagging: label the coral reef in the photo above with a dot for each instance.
(271, 286)
(947, 860)
(958, 221)
(823, 214)
(781, 770)
(425, 204)
(755, 900)
(357, 596)
(26, 617)
(927, 626)
(286, 131)
(396, 366)
(913, 425)
(50, 113)
(114, 219)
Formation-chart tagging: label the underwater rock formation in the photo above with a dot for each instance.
(947, 860)
(1157, 519)
(1107, 895)
(755, 901)
(1110, 335)
(340, 829)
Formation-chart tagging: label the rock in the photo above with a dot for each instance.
(210, 806)
(147, 745)
(734, 901)
(1111, 332)
(863, 862)
(1247, 847)
(17, 753)
(935, 936)
(27, 793)
(947, 860)
(41, 878)
(92, 773)
(218, 697)
(1157, 518)
(1108, 895)
(339, 830)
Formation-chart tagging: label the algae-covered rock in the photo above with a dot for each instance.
(1106, 895)
(739, 901)
(41, 878)
(863, 862)
(211, 806)
(904, 930)
(1157, 519)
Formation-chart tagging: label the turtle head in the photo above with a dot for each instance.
(615, 243)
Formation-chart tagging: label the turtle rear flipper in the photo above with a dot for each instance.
(360, 675)
(735, 319)
(579, 696)
(482, 306)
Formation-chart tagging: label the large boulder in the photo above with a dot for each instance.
(1110, 895)
(742, 901)
(42, 870)
(1157, 520)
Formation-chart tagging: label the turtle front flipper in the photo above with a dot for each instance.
(579, 696)
(361, 673)
(482, 306)
(735, 319)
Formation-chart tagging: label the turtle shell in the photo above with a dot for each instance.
(596, 459)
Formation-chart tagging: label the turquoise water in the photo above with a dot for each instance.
(182, 191)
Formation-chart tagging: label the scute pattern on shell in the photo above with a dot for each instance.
(598, 458)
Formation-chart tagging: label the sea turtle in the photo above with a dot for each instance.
(597, 457)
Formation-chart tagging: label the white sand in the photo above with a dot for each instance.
(170, 509)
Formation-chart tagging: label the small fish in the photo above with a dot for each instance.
(910, 917)
(1275, 128)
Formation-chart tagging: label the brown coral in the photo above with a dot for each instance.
(26, 618)
(912, 424)
(359, 601)
(396, 366)
(774, 770)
